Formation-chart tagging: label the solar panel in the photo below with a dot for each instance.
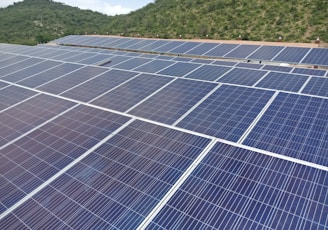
(315, 72)
(208, 72)
(99, 85)
(283, 81)
(221, 50)
(132, 92)
(227, 113)
(116, 60)
(79, 57)
(140, 45)
(291, 54)
(100, 58)
(28, 115)
(285, 69)
(185, 47)
(242, 76)
(317, 86)
(202, 61)
(12, 95)
(234, 188)
(242, 51)
(294, 125)
(249, 65)
(317, 56)
(68, 81)
(132, 63)
(30, 71)
(266, 52)
(3, 85)
(179, 69)
(224, 63)
(115, 176)
(38, 156)
(155, 45)
(154, 66)
(169, 46)
(168, 105)
(51, 74)
(16, 66)
(202, 48)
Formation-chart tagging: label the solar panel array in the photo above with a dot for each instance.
(313, 56)
(104, 139)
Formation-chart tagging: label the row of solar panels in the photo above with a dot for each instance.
(70, 164)
(223, 111)
(313, 56)
(238, 74)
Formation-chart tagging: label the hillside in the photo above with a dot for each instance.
(34, 21)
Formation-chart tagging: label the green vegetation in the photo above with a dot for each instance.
(34, 21)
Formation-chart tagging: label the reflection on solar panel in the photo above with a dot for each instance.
(233, 188)
(242, 76)
(168, 105)
(317, 86)
(228, 112)
(111, 187)
(131, 93)
(295, 126)
(207, 72)
(179, 69)
(283, 81)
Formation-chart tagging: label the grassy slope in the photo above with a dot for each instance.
(34, 21)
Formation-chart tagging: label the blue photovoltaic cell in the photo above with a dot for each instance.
(179, 69)
(154, 66)
(168, 105)
(317, 86)
(117, 185)
(283, 81)
(249, 65)
(132, 92)
(315, 72)
(163, 57)
(292, 54)
(294, 125)
(36, 157)
(242, 76)
(28, 115)
(116, 60)
(132, 63)
(99, 85)
(208, 72)
(127, 43)
(169, 46)
(221, 50)
(51, 74)
(228, 112)
(154, 45)
(203, 48)
(18, 66)
(68, 81)
(184, 47)
(12, 95)
(317, 56)
(5, 56)
(242, 51)
(30, 71)
(266, 52)
(234, 188)
(66, 55)
(285, 69)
